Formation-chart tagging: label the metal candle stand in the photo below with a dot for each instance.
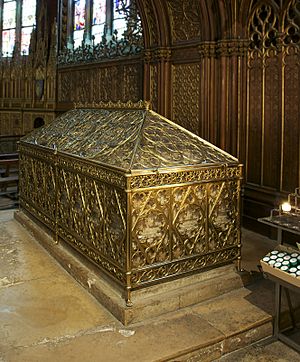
(286, 218)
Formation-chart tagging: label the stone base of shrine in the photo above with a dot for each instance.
(147, 303)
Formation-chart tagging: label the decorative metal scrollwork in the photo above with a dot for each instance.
(91, 178)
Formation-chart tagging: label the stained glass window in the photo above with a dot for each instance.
(99, 18)
(16, 25)
(8, 42)
(119, 17)
(28, 12)
(79, 21)
(25, 40)
(28, 22)
(8, 27)
(106, 16)
(9, 14)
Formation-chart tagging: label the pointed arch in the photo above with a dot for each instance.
(155, 22)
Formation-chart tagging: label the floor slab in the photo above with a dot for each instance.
(45, 315)
(275, 352)
(147, 302)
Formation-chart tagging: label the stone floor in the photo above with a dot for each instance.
(46, 316)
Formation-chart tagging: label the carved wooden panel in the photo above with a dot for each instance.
(291, 131)
(185, 100)
(132, 89)
(273, 118)
(272, 124)
(65, 85)
(185, 19)
(254, 132)
(27, 122)
(151, 23)
(5, 126)
(105, 83)
(273, 145)
(154, 86)
(10, 123)
(16, 123)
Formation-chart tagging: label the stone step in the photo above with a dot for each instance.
(242, 317)
(245, 319)
(147, 303)
(204, 332)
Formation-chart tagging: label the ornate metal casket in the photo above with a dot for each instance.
(137, 195)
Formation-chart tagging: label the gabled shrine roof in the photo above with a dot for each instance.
(128, 136)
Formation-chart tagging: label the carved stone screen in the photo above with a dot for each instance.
(142, 198)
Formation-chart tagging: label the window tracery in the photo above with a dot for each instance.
(93, 19)
(17, 20)
(101, 29)
(269, 30)
(78, 21)
(292, 24)
(264, 29)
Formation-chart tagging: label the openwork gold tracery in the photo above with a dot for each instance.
(142, 216)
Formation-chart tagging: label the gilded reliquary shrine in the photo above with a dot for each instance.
(140, 197)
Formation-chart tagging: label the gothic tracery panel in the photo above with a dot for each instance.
(264, 97)
(37, 186)
(107, 83)
(186, 94)
(185, 19)
(291, 128)
(93, 213)
(183, 227)
(273, 100)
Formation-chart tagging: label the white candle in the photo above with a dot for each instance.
(286, 207)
